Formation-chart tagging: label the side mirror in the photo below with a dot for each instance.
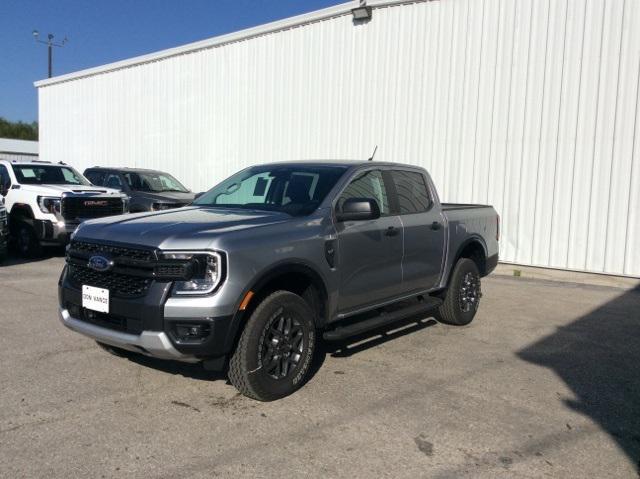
(359, 209)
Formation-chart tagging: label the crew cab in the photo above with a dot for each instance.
(250, 275)
(46, 202)
(148, 190)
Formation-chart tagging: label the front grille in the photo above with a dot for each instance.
(121, 285)
(3, 220)
(79, 208)
(115, 252)
(171, 271)
(133, 271)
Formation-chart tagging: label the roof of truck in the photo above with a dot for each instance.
(33, 162)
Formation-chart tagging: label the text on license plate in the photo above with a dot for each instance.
(96, 299)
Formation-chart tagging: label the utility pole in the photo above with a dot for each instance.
(50, 44)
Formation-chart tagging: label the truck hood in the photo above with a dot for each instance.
(186, 228)
(166, 197)
(58, 190)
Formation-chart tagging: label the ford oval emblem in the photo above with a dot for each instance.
(100, 263)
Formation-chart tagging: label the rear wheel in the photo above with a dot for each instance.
(276, 348)
(463, 296)
(27, 242)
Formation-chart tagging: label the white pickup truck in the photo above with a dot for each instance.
(45, 202)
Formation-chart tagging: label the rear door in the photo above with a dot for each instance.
(370, 251)
(424, 236)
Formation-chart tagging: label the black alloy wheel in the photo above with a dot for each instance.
(463, 295)
(276, 347)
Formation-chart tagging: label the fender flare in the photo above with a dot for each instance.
(262, 280)
(474, 238)
(21, 213)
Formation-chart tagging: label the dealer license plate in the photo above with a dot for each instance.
(95, 299)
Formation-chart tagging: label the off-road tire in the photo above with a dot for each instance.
(451, 311)
(27, 243)
(246, 369)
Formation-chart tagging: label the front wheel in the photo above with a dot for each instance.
(27, 242)
(463, 296)
(276, 348)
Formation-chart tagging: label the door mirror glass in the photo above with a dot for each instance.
(358, 209)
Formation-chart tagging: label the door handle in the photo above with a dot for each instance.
(435, 226)
(392, 231)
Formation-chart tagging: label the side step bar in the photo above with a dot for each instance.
(341, 332)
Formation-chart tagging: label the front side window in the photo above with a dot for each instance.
(96, 177)
(370, 185)
(48, 175)
(153, 182)
(411, 188)
(293, 189)
(113, 181)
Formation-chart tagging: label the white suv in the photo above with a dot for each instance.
(45, 202)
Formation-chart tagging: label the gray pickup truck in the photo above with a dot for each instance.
(248, 276)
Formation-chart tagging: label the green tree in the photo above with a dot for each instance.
(18, 130)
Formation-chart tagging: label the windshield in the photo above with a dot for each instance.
(48, 175)
(152, 181)
(295, 190)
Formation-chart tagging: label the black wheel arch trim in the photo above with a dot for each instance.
(474, 238)
(274, 271)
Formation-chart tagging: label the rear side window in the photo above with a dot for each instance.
(413, 196)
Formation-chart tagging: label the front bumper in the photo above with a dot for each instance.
(54, 232)
(140, 324)
(150, 343)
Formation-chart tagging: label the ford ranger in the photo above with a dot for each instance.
(46, 202)
(247, 277)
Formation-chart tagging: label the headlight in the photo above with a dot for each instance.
(207, 271)
(125, 204)
(49, 205)
(160, 206)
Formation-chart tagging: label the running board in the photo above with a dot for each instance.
(341, 332)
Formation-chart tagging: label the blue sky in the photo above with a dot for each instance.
(103, 31)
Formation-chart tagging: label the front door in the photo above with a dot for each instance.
(370, 251)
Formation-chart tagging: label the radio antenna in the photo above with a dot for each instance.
(374, 153)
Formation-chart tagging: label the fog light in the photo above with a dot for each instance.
(74, 310)
(191, 332)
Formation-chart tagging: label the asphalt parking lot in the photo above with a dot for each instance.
(544, 383)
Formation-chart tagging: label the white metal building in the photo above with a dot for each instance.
(530, 105)
(18, 149)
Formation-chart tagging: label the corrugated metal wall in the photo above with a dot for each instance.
(530, 105)
(17, 157)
